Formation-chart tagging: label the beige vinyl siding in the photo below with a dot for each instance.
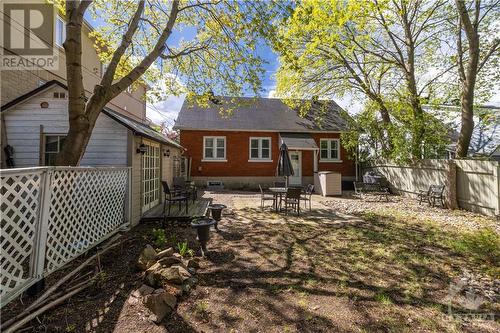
(136, 165)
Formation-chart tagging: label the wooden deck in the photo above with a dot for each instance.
(198, 208)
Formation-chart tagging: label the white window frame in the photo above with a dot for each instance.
(260, 158)
(63, 31)
(214, 150)
(329, 149)
(44, 148)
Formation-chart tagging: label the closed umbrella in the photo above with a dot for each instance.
(285, 168)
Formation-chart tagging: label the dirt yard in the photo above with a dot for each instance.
(384, 267)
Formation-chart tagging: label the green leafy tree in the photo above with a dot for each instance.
(137, 43)
(375, 50)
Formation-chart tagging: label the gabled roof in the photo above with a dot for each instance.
(31, 93)
(136, 127)
(260, 114)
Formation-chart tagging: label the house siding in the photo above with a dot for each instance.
(237, 156)
(107, 145)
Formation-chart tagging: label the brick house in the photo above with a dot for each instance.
(242, 149)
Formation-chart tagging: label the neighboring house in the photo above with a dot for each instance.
(242, 149)
(34, 122)
(485, 140)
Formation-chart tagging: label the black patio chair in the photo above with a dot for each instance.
(265, 197)
(173, 197)
(185, 188)
(435, 192)
(292, 199)
(306, 196)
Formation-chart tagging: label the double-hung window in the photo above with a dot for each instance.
(60, 31)
(214, 148)
(330, 149)
(260, 148)
(53, 145)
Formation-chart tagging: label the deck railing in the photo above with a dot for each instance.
(51, 215)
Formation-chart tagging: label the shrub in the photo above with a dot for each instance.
(159, 238)
(184, 249)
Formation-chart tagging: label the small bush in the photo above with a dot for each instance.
(481, 244)
(159, 238)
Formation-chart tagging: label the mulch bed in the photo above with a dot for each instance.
(99, 307)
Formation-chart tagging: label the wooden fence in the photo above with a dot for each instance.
(51, 215)
(473, 184)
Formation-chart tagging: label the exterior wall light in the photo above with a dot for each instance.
(166, 152)
(141, 149)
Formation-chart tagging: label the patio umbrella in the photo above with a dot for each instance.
(285, 168)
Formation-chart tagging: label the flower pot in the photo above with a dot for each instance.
(202, 226)
(216, 212)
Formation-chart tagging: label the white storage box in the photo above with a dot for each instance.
(328, 183)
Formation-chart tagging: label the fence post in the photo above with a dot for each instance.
(40, 242)
(451, 184)
(496, 172)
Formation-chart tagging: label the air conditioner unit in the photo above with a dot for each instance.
(215, 185)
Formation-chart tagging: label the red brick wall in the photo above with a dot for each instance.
(237, 155)
(348, 165)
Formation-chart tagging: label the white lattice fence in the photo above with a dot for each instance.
(52, 215)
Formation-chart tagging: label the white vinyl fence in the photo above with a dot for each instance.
(51, 215)
(475, 184)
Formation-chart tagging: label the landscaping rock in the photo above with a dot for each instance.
(194, 263)
(177, 255)
(191, 270)
(170, 261)
(147, 258)
(144, 290)
(165, 253)
(188, 285)
(160, 303)
(156, 266)
(174, 289)
(175, 274)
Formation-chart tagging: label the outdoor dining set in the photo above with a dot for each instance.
(285, 198)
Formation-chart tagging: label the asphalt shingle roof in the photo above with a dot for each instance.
(138, 128)
(269, 114)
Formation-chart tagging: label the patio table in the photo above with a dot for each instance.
(278, 192)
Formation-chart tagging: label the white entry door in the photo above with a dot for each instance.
(150, 176)
(296, 158)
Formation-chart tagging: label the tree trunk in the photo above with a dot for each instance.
(78, 121)
(411, 83)
(468, 77)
